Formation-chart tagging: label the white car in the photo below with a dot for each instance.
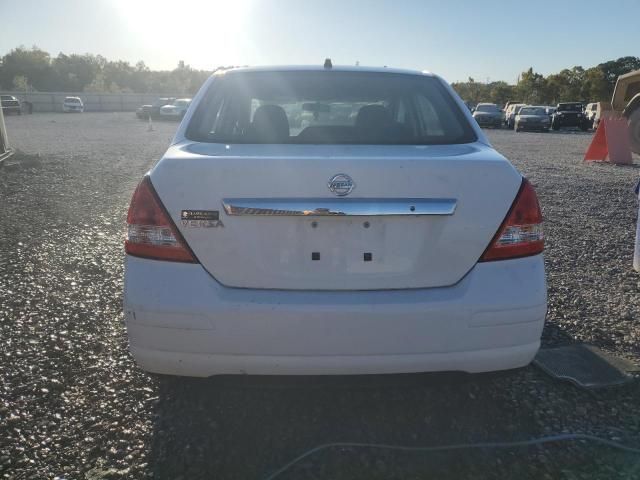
(72, 104)
(176, 110)
(590, 111)
(392, 240)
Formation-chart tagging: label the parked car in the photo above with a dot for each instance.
(601, 108)
(175, 111)
(488, 115)
(532, 118)
(590, 112)
(72, 104)
(336, 248)
(570, 114)
(512, 102)
(10, 105)
(510, 114)
(153, 110)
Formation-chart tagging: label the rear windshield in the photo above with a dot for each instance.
(532, 111)
(487, 108)
(72, 100)
(570, 107)
(329, 108)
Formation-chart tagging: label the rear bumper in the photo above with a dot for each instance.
(11, 109)
(569, 122)
(182, 322)
(534, 126)
(497, 122)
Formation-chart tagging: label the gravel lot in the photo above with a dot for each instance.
(73, 404)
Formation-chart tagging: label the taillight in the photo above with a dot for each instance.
(520, 234)
(150, 231)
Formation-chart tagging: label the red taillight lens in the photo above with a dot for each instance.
(150, 231)
(520, 234)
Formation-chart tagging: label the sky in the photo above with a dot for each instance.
(488, 40)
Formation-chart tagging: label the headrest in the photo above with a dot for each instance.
(270, 124)
(373, 117)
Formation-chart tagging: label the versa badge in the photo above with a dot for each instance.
(201, 219)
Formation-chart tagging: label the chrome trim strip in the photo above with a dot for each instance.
(316, 207)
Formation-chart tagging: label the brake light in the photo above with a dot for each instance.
(520, 234)
(150, 231)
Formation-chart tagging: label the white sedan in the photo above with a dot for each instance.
(390, 238)
(176, 110)
(72, 104)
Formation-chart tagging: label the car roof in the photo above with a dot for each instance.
(320, 68)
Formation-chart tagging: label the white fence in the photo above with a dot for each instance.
(93, 102)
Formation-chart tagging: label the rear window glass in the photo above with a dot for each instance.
(329, 108)
(72, 100)
(532, 111)
(570, 107)
(487, 108)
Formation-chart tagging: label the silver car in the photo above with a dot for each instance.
(532, 118)
(488, 115)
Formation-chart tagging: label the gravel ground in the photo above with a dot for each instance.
(73, 404)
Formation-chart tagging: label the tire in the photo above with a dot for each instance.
(555, 127)
(634, 130)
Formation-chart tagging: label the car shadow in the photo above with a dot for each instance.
(554, 335)
(248, 427)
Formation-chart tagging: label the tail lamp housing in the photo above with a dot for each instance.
(151, 233)
(520, 234)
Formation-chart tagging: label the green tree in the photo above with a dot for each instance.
(501, 92)
(595, 87)
(74, 72)
(532, 87)
(21, 83)
(34, 63)
(614, 68)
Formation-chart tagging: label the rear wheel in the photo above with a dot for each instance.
(634, 130)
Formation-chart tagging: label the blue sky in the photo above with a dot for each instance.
(488, 39)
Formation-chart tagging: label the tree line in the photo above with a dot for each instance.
(593, 84)
(33, 69)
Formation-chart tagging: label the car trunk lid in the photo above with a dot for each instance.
(417, 216)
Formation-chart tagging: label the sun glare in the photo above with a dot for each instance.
(206, 33)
